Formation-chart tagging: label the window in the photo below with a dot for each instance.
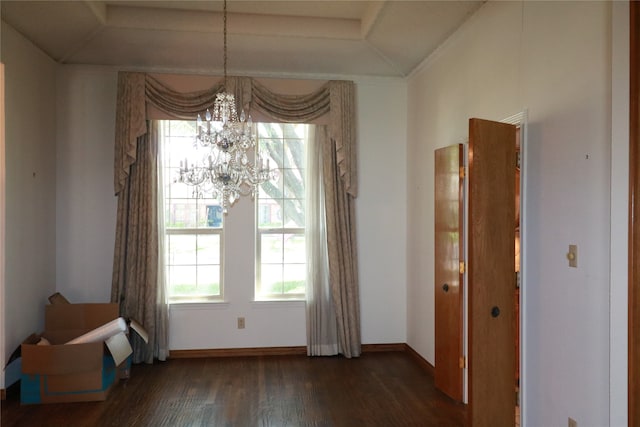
(193, 226)
(280, 214)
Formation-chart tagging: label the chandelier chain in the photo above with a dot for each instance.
(224, 33)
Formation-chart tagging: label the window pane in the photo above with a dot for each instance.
(294, 153)
(182, 127)
(271, 149)
(294, 278)
(209, 213)
(294, 130)
(208, 249)
(271, 248)
(271, 279)
(176, 190)
(294, 185)
(177, 149)
(181, 213)
(182, 280)
(294, 215)
(269, 214)
(182, 249)
(294, 248)
(208, 280)
(271, 130)
(193, 213)
(272, 189)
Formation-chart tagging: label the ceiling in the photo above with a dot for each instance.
(300, 37)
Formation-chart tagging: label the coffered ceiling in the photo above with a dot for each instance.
(299, 37)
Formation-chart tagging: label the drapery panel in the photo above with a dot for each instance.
(135, 270)
(335, 99)
(130, 124)
(342, 250)
(322, 326)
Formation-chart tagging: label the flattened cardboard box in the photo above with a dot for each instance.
(69, 373)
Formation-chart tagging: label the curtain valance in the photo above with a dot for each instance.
(335, 98)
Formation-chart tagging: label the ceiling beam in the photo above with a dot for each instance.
(159, 19)
(370, 17)
(99, 10)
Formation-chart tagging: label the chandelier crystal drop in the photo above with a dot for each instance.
(225, 171)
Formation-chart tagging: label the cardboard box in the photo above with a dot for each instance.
(74, 372)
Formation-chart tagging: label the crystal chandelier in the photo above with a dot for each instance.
(225, 171)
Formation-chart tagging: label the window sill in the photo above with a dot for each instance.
(276, 303)
(199, 305)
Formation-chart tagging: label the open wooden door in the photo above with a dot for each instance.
(448, 278)
(491, 275)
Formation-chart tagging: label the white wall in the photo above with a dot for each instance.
(85, 201)
(30, 191)
(552, 58)
(381, 209)
(86, 222)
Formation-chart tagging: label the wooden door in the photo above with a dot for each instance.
(491, 275)
(448, 279)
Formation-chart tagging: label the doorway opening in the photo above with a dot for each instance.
(480, 269)
(520, 121)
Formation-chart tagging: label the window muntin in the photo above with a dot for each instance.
(193, 226)
(280, 215)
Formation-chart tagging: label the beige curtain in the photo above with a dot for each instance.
(335, 99)
(322, 330)
(340, 183)
(341, 245)
(135, 270)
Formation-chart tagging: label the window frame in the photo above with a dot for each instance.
(259, 295)
(168, 175)
(195, 232)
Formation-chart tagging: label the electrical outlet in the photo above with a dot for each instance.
(240, 322)
(572, 422)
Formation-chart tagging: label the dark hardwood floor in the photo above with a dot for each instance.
(378, 389)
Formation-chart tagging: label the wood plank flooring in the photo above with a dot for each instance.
(378, 389)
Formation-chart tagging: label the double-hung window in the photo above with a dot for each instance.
(193, 226)
(280, 215)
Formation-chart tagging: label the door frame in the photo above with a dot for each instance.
(634, 219)
(520, 120)
(2, 230)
